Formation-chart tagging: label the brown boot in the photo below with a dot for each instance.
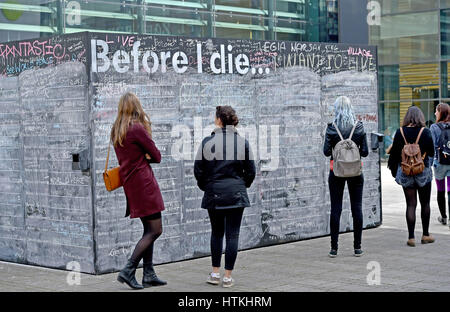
(411, 242)
(427, 239)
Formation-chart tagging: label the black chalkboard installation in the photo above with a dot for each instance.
(59, 98)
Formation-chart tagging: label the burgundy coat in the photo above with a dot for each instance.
(139, 183)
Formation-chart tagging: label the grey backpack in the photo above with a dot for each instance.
(346, 157)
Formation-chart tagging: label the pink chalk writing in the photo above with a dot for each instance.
(35, 48)
(367, 117)
(359, 51)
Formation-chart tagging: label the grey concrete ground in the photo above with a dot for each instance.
(299, 266)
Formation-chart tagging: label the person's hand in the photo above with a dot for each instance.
(147, 156)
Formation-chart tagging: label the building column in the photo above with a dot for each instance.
(270, 33)
(60, 16)
(312, 17)
(210, 29)
(141, 17)
(444, 81)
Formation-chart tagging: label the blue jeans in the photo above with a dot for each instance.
(225, 222)
(355, 189)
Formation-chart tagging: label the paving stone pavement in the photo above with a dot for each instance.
(298, 266)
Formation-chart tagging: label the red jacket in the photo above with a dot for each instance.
(139, 183)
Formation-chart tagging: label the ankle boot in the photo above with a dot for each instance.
(127, 275)
(149, 277)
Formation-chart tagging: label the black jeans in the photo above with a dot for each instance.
(228, 222)
(355, 189)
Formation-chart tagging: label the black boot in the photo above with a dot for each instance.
(441, 203)
(448, 204)
(127, 275)
(149, 277)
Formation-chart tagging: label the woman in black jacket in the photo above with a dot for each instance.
(413, 122)
(345, 121)
(224, 169)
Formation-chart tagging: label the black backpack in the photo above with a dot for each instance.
(443, 144)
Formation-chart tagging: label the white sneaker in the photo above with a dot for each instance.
(227, 282)
(213, 280)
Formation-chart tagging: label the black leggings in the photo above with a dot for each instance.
(411, 203)
(228, 222)
(152, 230)
(355, 190)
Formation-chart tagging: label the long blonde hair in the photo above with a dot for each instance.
(129, 110)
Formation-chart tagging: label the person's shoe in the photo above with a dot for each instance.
(427, 239)
(442, 221)
(358, 253)
(213, 280)
(332, 253)
(149, 278)
(227, 282)
(127, 275)
(411, 242)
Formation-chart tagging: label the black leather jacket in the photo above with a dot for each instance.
(332, 138)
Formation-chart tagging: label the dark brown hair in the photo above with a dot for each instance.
(227, 115)
(444, 112)
(414, 117)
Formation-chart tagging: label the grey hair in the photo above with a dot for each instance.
(344, 117)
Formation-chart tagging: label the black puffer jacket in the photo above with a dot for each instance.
(224, 178)
(332, 138)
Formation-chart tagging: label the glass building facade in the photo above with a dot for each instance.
(299, 20)
(413, 39)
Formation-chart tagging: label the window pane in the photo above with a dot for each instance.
(418, 82)
(398, 6)
(27, 19)
(244, 26)
(445, 85)
(176, 21)
(290, 30)
(445, 33)
(101, 16)
(255, 4)
(407, 38)
(388, 81)
(445, 4)
(428, 108)
(390, 122)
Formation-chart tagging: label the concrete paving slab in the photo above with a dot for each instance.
(298, 266)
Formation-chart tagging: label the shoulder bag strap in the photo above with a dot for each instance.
(420, 133)
(337, 129)
(403, 135)
(107, 157)
(353, 130)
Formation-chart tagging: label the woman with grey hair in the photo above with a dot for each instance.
(343, 127)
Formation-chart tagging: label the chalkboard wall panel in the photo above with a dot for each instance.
(57, 198)
(68, 101)
(12, 229)
(361, 88)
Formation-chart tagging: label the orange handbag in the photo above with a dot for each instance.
(111, 176)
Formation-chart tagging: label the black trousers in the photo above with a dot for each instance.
(225, 222)
(355, 189)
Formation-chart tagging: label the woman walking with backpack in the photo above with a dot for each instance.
(415, 177)
(344, 127)
(131, 135)
(441, 137)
